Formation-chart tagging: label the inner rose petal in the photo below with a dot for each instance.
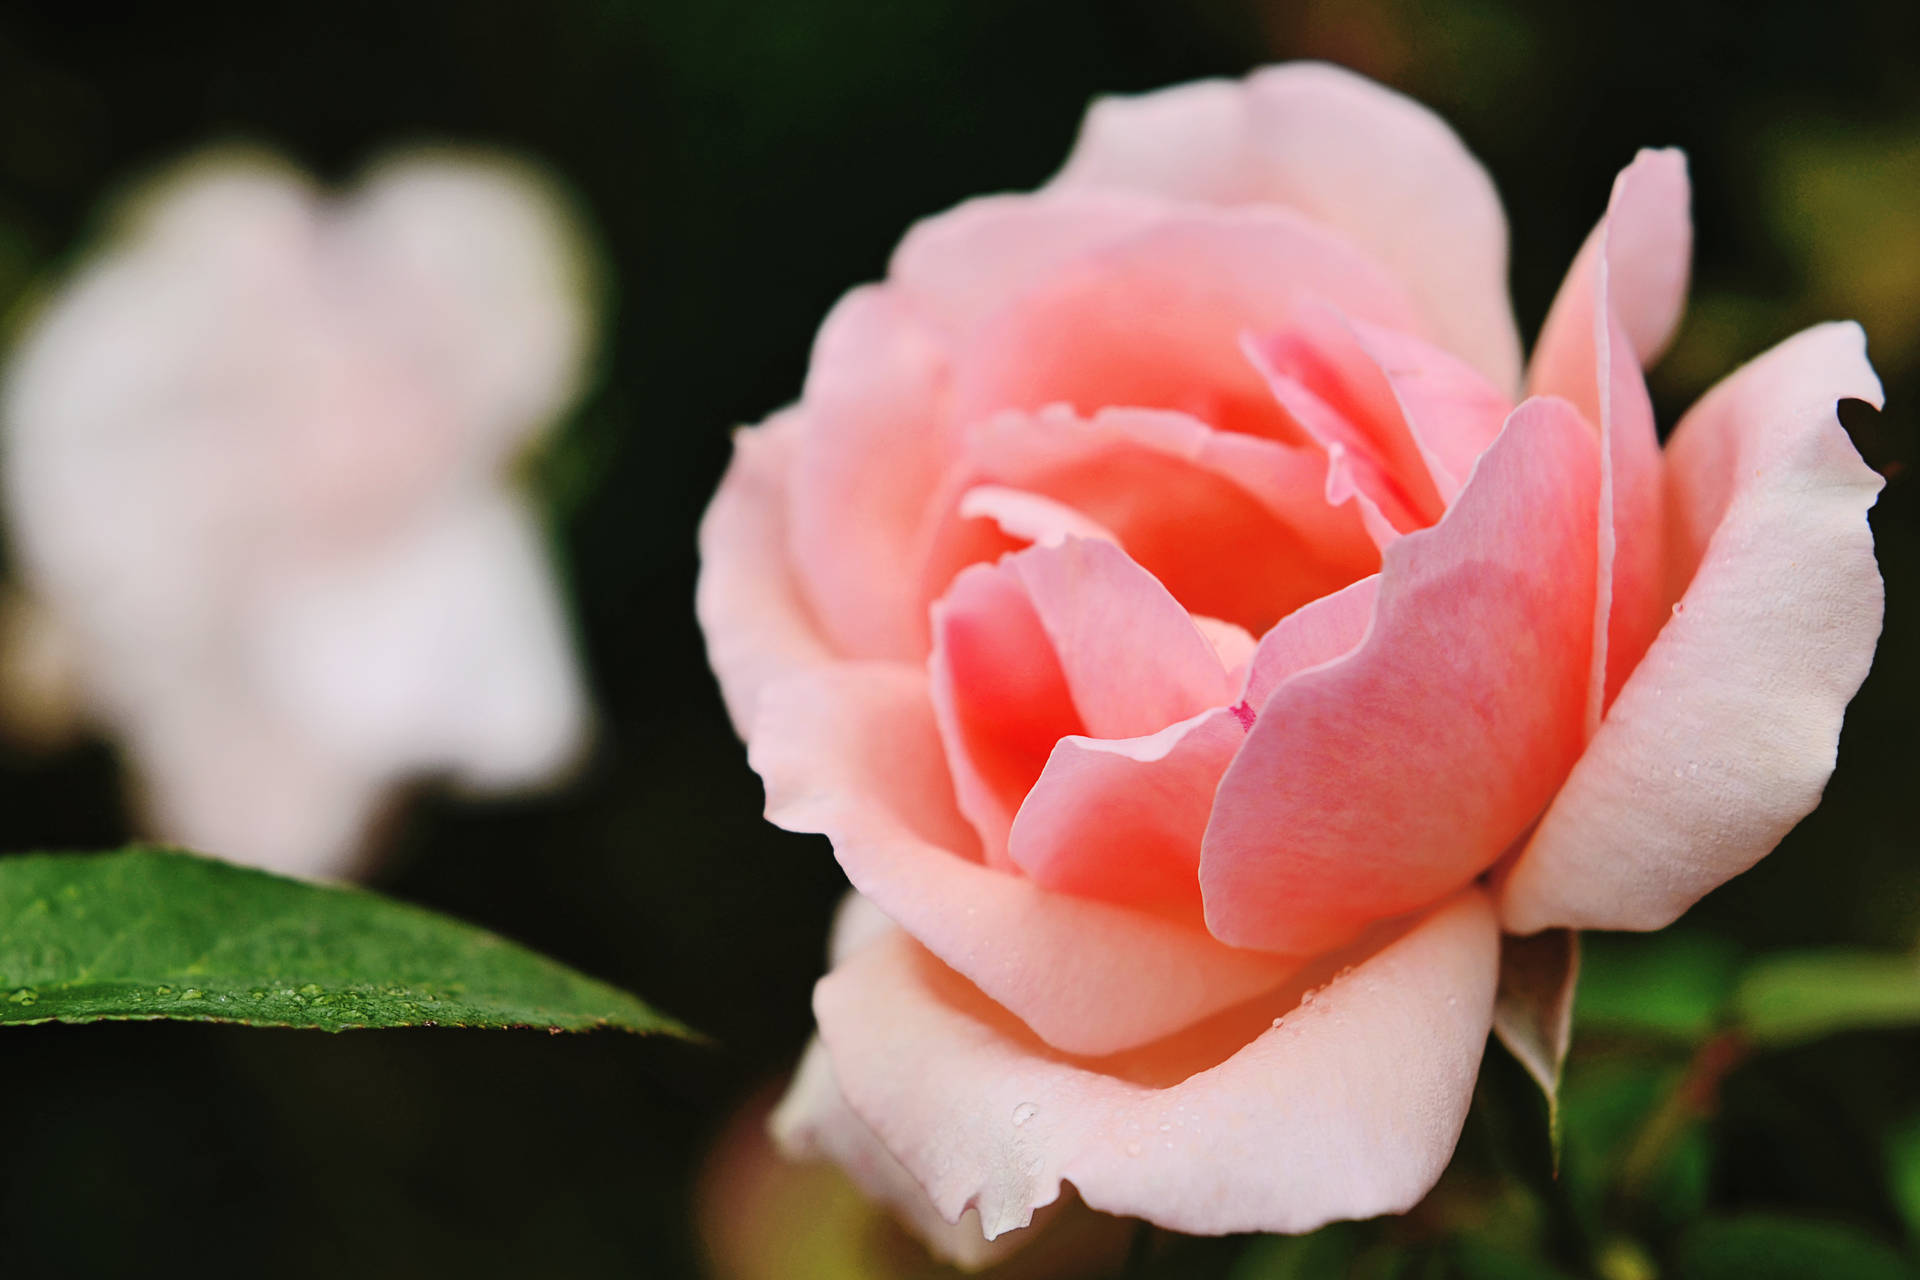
(1237, 529)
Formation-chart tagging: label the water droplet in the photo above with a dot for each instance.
(1278, 1023)
(1679, 607)
(1307, 997)
(192, 993)
(163, 991)
(1166, 1126)
(310, 990)
(24, 996)
(1133, 1148)
(1023, 1113)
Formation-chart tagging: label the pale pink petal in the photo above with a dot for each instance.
(1029, 517)
(813, 1122)
(1151, 321)
(1123, 819)
(1379, 168)
(1649, 234)
(1375, 784)
(1280, 1116)
(1725, 734)
(961, 268)
(1234, 526)
(749, 604)
(851, 752)
(877, 442)
(1620, 300)
(1232, 644)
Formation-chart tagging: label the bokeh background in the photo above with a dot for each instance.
(744, 162)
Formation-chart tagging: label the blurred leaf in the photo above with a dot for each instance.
(1797, 996)
(150, 933)
(1533, 1013)
(1477, 1260)
(1903, 1172)
(1328, 1252)
(1768, 1247)
(1675, 983)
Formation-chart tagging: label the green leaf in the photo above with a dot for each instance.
(1903, 1170)
(1770, 1247)
(1673, 984)
(1533, 1013)
(1797, 996)
(150, 933)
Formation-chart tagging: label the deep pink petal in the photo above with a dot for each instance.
(750, 607)
(1379, 168)
(851, 751)
(1725, 734)
(1375, 784)
(1344, 1106)
(1620, 300)
(999, 696)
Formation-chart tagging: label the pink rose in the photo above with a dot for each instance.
(1201, 642)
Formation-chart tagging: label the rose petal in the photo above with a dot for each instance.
(877, 442)
(1151, 321)
(1620, 300)
(1235, 527)
(851, 751)
(1379, 168)
(1649, 245)
(813, 1122)
(1374, 784)
(1123, 820)
(1253, 1123)
(1054, 641)
(756, 623)
(1724, 736)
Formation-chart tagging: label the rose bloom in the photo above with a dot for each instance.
(257, 456)
(1202, 642)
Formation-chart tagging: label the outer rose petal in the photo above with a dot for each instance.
(878, 440)
(1374, 784)
(1151, 321)
(749, 604)
(1619, 301)
(814, 1122)
(1250, 1123)
(1649, 237)
(850, 751)
(1377, 167)
(1725, 734)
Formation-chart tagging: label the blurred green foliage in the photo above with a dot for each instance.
(746, 161)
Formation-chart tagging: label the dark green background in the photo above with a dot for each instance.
(745, 161)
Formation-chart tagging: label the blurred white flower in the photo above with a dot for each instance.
(257, 463)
